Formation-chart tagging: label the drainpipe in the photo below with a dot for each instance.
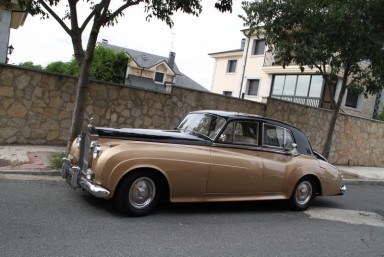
(244, 65)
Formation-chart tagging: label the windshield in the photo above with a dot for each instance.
(203, 124)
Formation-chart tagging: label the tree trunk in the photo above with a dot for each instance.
(332, 124)
(81, 96)
(83, 86)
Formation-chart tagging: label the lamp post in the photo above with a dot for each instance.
(10, 49)
(9, 52)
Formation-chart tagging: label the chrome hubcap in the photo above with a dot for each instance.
(142, 192)
(304, 192)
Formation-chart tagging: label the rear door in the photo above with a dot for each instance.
(278, 163)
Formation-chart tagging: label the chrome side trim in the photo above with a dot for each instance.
(94, 190)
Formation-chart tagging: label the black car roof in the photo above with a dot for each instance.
(228, 114)
(304, 144)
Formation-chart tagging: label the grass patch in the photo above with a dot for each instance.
(56, 160)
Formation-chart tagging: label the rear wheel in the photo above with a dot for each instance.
(303, 194)
(138, 194)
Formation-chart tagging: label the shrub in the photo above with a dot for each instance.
(56, 160)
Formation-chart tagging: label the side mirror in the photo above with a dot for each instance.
(292, 149)
(222, 138)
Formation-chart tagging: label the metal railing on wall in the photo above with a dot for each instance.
(309, 101)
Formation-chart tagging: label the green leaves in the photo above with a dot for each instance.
(332, 33)
(109, 65)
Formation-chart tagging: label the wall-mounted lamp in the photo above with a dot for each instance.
(10, 49)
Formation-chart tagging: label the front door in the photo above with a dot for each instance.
(236, 160)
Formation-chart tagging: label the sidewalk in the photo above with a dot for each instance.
(34, 160)
(28, 159)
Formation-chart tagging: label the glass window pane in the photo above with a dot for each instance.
(290, 85)
(258, 47)
(227, 135)
(272, 135)
(303, 85)
(278, 85)
(288, 138)
(232, 66)
(159, 77)
(253, 87)
(351, 100)
(316, 86)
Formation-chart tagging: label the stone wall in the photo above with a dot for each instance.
(36, 108)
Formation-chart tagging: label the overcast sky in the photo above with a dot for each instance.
(192, 38)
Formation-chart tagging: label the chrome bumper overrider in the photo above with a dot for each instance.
(76, 179)
(343, 189)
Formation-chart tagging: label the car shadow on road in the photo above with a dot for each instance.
(228, 208)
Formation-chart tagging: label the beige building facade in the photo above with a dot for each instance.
(252, 73)
(11, 16)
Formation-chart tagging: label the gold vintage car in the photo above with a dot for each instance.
(211, 156)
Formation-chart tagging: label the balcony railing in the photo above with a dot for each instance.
(309, 101)
(270, 60)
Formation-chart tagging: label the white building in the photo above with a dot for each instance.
(251, 72)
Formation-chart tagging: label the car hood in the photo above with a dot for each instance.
(153, 135)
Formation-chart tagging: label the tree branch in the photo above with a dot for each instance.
(55, 16)
(91, 15)
(73, 12)
(122, 8)
(105, 10)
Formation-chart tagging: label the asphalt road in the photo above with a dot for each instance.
(47, 218)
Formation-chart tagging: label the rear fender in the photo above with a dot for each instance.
(301, 172)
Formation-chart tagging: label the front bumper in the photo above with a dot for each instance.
(76, 179)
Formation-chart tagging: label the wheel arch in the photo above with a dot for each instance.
(316, 180)
(163, 181)
(299, 176)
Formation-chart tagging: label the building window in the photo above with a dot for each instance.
(227, 93)
(159, 77)
(258, 47)
(302, 89)
(231, 68)
(253, 87)
(351, 100)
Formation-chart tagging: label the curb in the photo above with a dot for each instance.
(365, 182)
(32, 172)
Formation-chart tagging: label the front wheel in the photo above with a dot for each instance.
(138, 194)
(303, 194)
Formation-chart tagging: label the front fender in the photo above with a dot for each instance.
(115, 162)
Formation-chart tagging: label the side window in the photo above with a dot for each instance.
(241, 132)
(276, 136)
